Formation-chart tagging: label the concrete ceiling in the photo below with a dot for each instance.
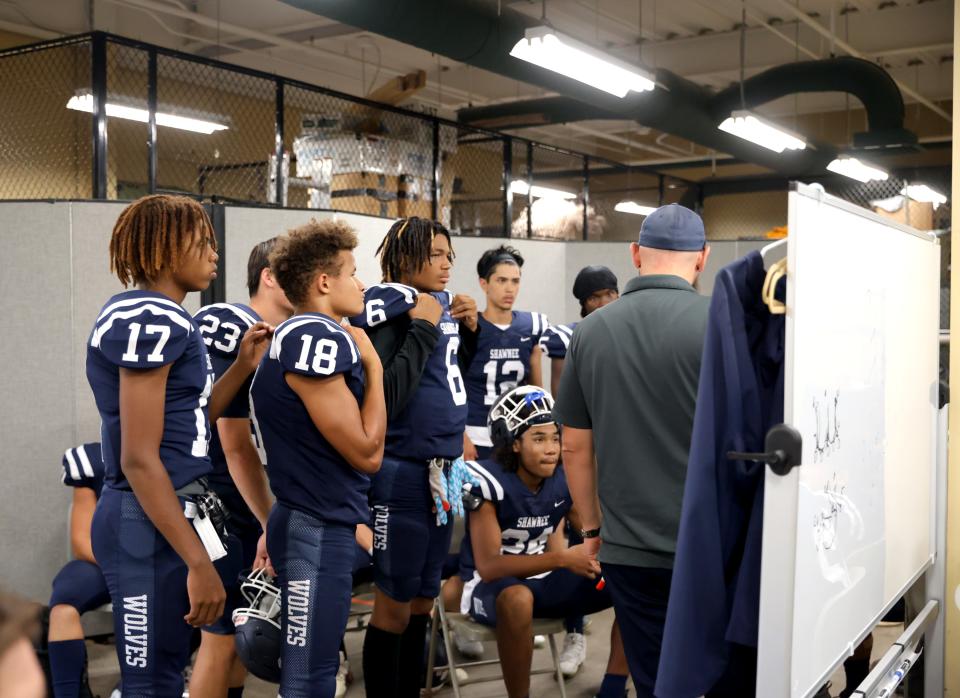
(697, 39)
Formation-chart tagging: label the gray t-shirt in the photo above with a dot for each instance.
(631, 376)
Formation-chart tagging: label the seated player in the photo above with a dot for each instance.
(238, 475)
(516, 565)
(595, 287)
(508, 350)
(79, 586)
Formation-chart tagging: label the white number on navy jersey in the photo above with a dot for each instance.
(507, 367)
(199, 448)
(155, 356)
(454, 377)
(324, 356)
(229, 343)
(516, 541)
(375, 312)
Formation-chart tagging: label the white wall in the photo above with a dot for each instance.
(55, 279)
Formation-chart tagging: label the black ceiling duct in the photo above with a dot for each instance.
(472, 32)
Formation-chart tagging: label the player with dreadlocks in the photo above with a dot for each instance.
(425, 337)
(152, 381)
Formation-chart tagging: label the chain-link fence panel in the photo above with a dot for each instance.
(619, 198)
(127, 152)
(216, 131)
(358, 158)
(46, 133)
(475, 173)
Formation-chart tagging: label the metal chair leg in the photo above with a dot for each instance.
(556, 665)
(428, 688)
(448, 644)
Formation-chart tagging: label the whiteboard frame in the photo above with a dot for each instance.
(778, 567)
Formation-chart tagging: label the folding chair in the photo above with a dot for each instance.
(467, 628)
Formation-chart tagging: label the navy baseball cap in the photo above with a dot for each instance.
(673, 227)
(592, 279)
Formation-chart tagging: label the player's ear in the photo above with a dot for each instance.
(516, 446)
(483, 284)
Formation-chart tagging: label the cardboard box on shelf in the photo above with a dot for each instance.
(916, 214)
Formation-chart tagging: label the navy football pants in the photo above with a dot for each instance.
(640, 597)
(148, 587)
(314, 560)
(409, 549)
(80, 584)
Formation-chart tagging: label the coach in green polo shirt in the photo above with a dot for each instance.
(626, 402)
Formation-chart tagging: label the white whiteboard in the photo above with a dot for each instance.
(849, 530)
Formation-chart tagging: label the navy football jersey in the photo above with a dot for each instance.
(556, 340)
(526, 518)
(83, 467)
(222, 326)
(306, 472)
(502, 362)
(144, 330)
(432, 422)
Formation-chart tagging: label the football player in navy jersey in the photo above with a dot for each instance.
(153, 384)
(425, 336)
(319, 408)
(238, 475)
(508, 350)
(79, 586)
(516, 565)
(595, 287)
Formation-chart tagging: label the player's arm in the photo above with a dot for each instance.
(404, 346)
(252, 348)
(244, 464)
(364, 537)
(557, 540)
(536, 366)
(556, 370)
(142, 400)
(485, 535)
(81, 518)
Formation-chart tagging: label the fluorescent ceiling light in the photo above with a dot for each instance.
(84, 102)
(924, 194)
(519, 187)
(755, 129)
(548, 48)
(634, 207)
(855, 169)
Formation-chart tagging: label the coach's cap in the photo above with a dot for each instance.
(673, 227)
(592, 279)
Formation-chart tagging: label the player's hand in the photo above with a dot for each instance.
(262, 560)
(458, 479)
(579, 561)
(469, 450)
(427, 308)
(438, 492)
(368, 355)
(464, 309)
(206, 594)
(592, 546)
(254, 345)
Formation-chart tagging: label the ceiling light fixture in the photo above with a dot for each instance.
(855, 169)
(548, 48)
(519, 188)
(84, 103)
(750, 127)
(635, 208)
(924, 194)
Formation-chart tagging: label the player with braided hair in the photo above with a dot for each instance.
(426, 337)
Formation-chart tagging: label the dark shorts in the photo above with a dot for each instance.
(314, 560)
(409, 548)
(80, 584)
(640, 597)
(148, 587)
(559, 594)
(245, 529)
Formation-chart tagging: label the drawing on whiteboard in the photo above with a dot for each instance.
(825, 521)
(826, 437)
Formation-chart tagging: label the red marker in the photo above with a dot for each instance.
(601, 584)
(446, 505)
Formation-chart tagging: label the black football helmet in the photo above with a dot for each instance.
(257, 638)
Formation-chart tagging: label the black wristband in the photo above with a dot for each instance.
(590, 533)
